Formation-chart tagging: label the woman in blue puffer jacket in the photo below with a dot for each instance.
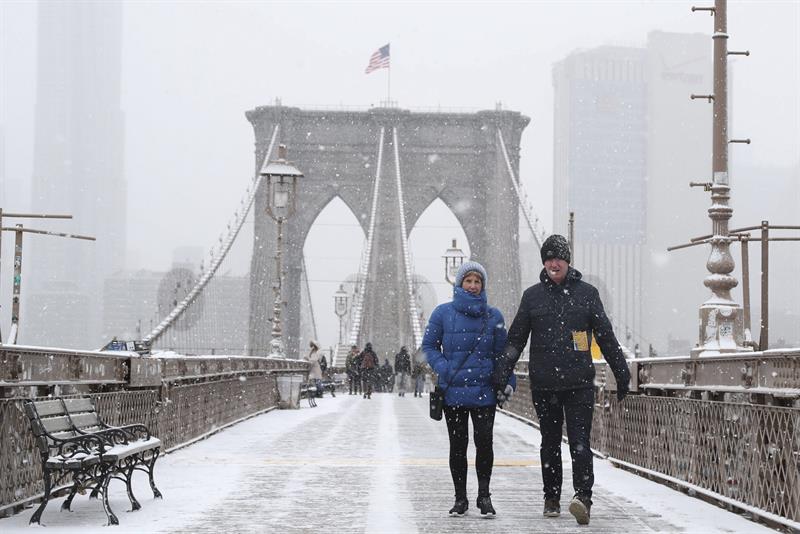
(461, 342)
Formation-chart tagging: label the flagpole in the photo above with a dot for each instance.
(389, 85)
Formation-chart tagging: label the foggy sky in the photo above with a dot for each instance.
(191, 69)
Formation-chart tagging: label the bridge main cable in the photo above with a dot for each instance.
(363, 272)
(416, 326)
(182, 306)
(527, 209)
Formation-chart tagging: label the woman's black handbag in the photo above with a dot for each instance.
(436, 403)
(436, 397)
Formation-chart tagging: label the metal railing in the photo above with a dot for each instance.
(740, 450)
(180, 399)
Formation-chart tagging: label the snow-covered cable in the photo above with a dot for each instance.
(363, 272)
(412, 298)
(307, 289)
(527, 211)
(170, 319)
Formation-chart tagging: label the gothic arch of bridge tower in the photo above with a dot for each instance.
(464, 159)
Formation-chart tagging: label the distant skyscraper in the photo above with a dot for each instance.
(626, 144)
(678, 152)
(78, 169)
(600, 167)
(600, 133)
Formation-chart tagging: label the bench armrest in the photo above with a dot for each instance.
(73, 446)
(121, 435)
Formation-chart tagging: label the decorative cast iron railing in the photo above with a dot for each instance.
(744, 454)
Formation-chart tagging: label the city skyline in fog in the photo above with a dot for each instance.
(191, 70)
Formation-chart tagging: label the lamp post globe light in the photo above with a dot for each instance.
(281, 184)
(340, 308)
(453, 258)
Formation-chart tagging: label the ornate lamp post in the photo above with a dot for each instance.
(721, 319)
(281, 183)
(453, 258)
(340, 308)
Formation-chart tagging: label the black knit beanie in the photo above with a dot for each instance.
(555, 246)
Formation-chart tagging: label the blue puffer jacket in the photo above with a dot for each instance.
(453, 330)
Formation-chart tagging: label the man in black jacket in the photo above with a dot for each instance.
(560, 314)
(402, 369)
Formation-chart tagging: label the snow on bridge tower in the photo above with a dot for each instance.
(451, 156)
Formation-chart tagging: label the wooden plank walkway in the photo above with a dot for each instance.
(353, 465)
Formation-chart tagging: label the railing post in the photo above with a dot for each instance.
(16, 290)
(763, 338)
(746, 285)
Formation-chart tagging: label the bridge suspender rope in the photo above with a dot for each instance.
(307, 291)
(173, 316)
(412, 298)
(363, 272)
(527, 209)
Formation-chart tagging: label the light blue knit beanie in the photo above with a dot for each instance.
(470, 267)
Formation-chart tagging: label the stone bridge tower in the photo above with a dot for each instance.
(455, 157)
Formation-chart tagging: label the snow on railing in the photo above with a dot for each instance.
(225, 246)
(412, 297)
(527, 208)
(357, 308)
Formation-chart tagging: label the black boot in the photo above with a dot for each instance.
(485, 504)
(580, 507)
(461, 505)
(552, 507)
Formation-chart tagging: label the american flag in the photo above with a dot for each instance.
(378, 60)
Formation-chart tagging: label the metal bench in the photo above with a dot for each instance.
(73, 441)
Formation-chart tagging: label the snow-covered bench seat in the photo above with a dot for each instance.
(74, 442)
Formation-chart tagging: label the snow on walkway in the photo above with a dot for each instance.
(355, 465)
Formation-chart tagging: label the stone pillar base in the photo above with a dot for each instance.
(721, 330)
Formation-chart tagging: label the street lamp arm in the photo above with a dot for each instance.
(35, 215)
(45, 232)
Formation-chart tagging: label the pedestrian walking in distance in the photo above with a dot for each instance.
(369, 368)
(559, 315)
(418, 375)
(402, 369)
(461, 341)
(351, 367)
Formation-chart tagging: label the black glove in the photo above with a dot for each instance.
(504, 395)
(622, 391)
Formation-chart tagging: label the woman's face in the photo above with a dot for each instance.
(472, 283)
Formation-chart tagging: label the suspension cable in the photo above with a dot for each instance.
(527, 209)
(172, 317)
(412, 298)
(358, 298)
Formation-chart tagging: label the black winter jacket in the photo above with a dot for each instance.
(560, 320)
(402, 362)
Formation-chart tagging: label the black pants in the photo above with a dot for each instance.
(457, 418)
(368, 379)
(552, 407)
(354, 382)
